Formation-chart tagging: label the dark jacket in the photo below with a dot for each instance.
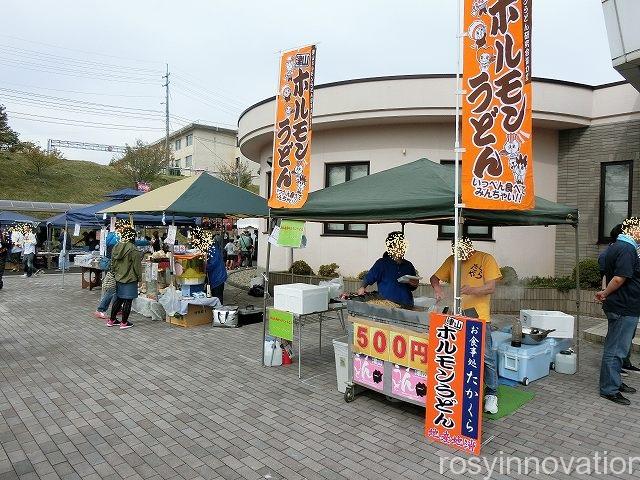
(385, 272)
(5, 242)
(216, 271)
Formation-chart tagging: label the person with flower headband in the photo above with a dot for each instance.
(126, 268)
(479, 273)
(621, 304)
(388, 269)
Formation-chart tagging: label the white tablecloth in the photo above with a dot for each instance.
(209, 302)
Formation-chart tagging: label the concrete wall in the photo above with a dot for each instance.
(384, 147)
(580, 155)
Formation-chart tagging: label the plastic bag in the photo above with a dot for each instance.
(170, 300)
(336, 286)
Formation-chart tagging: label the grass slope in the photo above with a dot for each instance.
(70, 181)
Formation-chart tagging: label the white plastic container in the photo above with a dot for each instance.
(272, 353)
(549, 320)
(300, 298)
(341, 351)
(566, 362)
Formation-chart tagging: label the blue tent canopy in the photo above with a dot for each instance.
(88, 217)
(8, 218)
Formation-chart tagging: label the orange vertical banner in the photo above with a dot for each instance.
(292, 129)
(497, 163)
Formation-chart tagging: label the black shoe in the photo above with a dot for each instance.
(631, 368)
(617, 398)
(624, 388)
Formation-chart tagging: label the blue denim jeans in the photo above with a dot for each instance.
(616, 348)
(105, 301)
(490, 365)
(27, 264)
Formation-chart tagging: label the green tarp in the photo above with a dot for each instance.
(419, 192)
(196, 196)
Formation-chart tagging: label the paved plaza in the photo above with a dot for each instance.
(79, 400)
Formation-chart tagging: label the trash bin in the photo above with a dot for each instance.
(341, 351)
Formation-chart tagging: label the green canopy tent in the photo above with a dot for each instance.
(202, 195)
(420, 192)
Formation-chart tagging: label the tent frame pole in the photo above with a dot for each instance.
(64, 250)
(578, 329)
(265, 295)
(457, 150)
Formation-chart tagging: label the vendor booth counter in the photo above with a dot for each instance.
(387, 351)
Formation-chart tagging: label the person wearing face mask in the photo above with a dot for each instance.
(479, 273)
(621, 304)
(388, 269)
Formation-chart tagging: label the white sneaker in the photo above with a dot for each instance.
(24, 275)
(491, 404)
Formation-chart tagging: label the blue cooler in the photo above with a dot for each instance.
(524, 364)
(498, 338)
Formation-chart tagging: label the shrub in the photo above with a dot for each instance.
(589, 274)
(328, 270)
(300, 267)
(562, 284)
(362, 274)
(509, 275)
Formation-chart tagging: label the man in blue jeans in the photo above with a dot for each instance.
(621, 305)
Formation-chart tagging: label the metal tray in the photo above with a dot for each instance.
(412, 319)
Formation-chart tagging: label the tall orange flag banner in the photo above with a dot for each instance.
(292, 134)
(497, 163)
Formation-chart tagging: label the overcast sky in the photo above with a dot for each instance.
(80, 62)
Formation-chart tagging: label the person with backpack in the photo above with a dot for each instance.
(109, 282)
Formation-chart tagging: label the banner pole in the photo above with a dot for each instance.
(265, 295)
(456, 202)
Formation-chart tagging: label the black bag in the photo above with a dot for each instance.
(256, 291)
(249, 314)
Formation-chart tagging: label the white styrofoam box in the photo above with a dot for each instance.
(341, 351)
(300, 298)
(548, 320)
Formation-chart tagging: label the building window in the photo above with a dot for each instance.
(178, 145)
(336, 173)
(176, 163)
(268, 174)
(189, 140)
(474, 232)
(616, 186)
(188, 161)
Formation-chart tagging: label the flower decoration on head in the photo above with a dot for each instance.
(465, 248)
(631, 227)
(23, 228)
(396, 245)
(201, 239)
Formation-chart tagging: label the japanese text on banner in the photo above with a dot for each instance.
(292, 135)
(455, 380)
(497, 164)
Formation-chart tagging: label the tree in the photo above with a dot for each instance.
(229, 173)
(8, 138)
(142, 162)
(39, 160)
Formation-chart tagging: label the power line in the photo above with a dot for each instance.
(235, 108)
(80, 122)
(38, 55)
(200, 100)
(76, 50)
(72, 100)
(208, 88)
(79, 92)
(110, 128)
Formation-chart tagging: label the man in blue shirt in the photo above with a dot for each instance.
(621, 305)
(388, 269)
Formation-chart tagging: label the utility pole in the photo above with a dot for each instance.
(238, 171)
(166, 110)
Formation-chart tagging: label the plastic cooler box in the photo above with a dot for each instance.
(524, 364)
(548, 320)
(300, 298)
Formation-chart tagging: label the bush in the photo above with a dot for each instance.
(362, 274)
(509, 275)
(590, 276)
(328, 270)
(562, 284)
(300, 267)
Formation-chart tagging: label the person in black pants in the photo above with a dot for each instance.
(5, 251)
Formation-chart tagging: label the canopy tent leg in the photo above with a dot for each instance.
(578, 329)
(64, 251)
(265, 295)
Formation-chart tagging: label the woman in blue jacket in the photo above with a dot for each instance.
(216, 271)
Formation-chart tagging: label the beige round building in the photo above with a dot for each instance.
(368, 125)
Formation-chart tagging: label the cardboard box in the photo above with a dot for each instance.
(196, 315)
